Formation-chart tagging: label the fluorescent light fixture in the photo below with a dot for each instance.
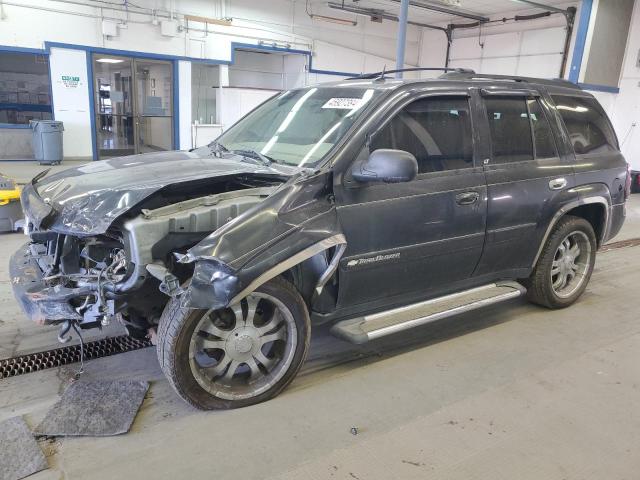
(339, 21)
(109, 60)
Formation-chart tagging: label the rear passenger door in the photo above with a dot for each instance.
(526, 179)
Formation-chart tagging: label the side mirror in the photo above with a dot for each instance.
(386, 165)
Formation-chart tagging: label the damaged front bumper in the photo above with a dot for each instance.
(43, 304)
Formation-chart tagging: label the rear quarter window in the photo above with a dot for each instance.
(588, 126)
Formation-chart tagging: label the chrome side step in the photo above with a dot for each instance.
(369, 327)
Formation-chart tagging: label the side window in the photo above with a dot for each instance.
(437, 131)
(588, 127)
(510, 129)
(542, 136)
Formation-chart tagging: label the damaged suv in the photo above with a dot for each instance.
(374, 204)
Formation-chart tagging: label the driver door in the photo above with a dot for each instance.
(408, 239)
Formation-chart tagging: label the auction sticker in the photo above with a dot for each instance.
(345, 103)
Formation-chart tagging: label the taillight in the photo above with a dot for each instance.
(627, 183)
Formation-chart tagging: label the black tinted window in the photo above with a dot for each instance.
(436, 131)
(588, 127)
(542, 135)
(510, 129)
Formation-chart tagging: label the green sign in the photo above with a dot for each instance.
(70, 81)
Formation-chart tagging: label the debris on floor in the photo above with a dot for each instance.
(94, 408)
(20, 455)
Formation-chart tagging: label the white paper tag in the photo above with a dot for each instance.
(343, 103)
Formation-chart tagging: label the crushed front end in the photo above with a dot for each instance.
(58, 278)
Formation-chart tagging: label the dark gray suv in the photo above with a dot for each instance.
(374, 204)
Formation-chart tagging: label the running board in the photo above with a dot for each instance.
(369, 327)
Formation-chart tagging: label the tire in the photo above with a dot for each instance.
(542, 285)
(182, 351)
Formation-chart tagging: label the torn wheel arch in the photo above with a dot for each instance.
(294, 224)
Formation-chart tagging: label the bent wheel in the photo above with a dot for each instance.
(236, 356)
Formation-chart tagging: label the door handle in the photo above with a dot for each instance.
(557, 183)
(467, 198)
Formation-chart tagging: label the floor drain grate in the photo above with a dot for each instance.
(69, 354)
(632, 242)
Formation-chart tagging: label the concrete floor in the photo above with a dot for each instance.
(22, 171)
(513, 391)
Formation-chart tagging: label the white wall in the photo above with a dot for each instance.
(286, 22)
(71, 100)
(624, 107)
(368, 46)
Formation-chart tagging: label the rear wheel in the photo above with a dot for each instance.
(236, 356)
(565, 265)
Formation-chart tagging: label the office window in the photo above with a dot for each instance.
(437, 131)
(510, 129)
(205, 81)
(588, 126)
(25, 92)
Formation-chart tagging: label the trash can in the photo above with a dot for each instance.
(10, 209)
(46, 139)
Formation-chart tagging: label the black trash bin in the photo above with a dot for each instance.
(46, 139)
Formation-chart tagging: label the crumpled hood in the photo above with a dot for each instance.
(85, 200)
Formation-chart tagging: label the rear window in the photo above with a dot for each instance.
(510, 129)
(588, 127)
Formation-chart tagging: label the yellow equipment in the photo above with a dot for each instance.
(10, 209)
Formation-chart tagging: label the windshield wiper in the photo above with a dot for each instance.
(255, 155)
(217, 147)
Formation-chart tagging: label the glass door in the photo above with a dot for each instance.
(154, 87)
(113, 83)
(133, 100)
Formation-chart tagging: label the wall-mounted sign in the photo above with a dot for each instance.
(70, 81)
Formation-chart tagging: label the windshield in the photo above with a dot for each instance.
(298, 127)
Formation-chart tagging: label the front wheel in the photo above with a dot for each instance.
(565, 264)
(237, 356)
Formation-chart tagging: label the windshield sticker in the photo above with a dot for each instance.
(344, 103)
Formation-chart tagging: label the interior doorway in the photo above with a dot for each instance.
(133, 105)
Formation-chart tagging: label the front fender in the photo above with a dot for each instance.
(295, 223)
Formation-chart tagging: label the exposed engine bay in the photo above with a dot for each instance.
(130, 272)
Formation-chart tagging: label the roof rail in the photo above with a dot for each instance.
(381, 74)
(556, 82)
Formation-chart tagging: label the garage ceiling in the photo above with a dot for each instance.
(489, 8)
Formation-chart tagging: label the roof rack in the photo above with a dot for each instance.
(556, 82)
(381, 74)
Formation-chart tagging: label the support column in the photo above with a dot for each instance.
(402, 36)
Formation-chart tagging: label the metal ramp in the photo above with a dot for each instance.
(369, 327)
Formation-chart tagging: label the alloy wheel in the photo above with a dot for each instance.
(571, 264)
(241, 351)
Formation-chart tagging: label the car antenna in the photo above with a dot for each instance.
(380, 78)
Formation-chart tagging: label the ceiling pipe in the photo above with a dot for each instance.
(375, 13)
(448, 11)
(542, 5)
(370, 12)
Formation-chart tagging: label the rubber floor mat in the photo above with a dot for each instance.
(94, 408)
(20, 454)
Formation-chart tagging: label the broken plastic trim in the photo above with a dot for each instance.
(291, 262)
